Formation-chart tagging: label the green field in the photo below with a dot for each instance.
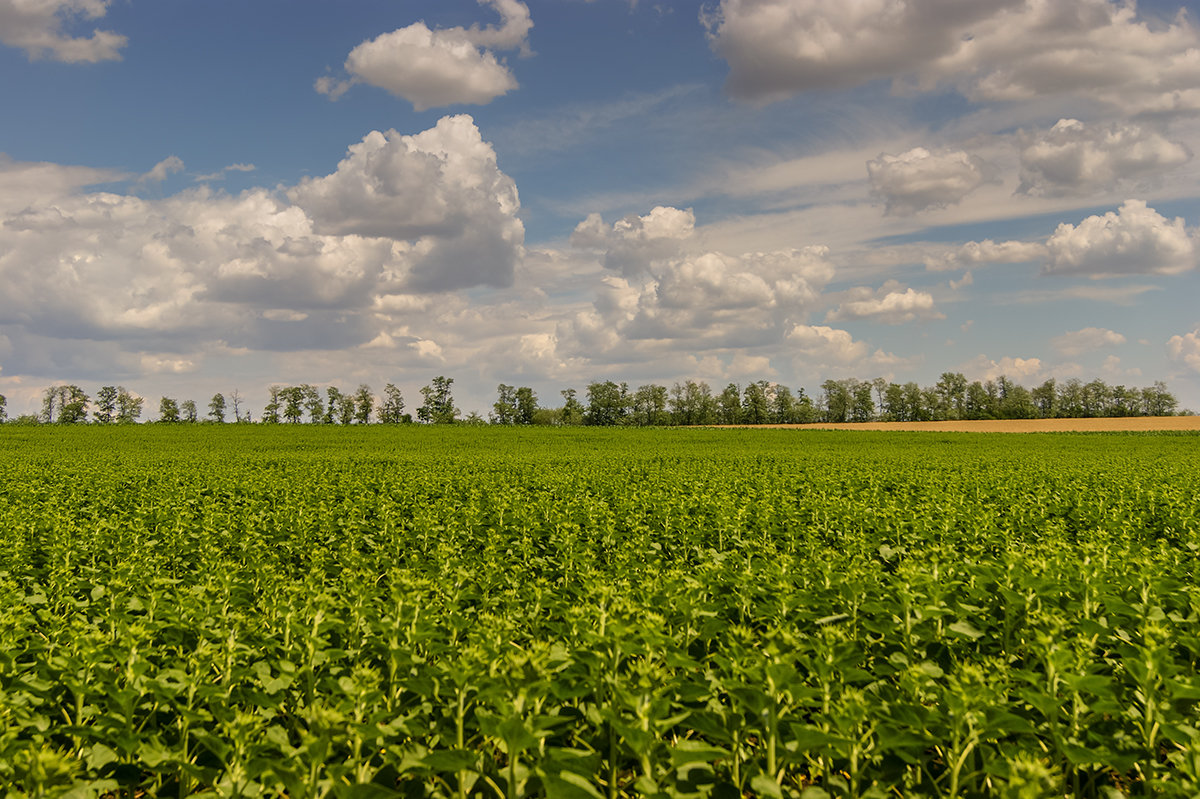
(423, 611)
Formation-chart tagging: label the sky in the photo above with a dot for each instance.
(197, 197)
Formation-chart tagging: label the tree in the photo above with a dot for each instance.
(783, 405)
(187, 410)
(862, 407)
(168, 410)
(572, 409)
(504, 409)
(880, 385)
(606, 404)
(693, 403)
(293, 404)
(438, 406)
(756, 405)
(49, 405)
(129, 406)
(364, 404)
(3, 407)
(649, 406)
(391, 408)
(702, 403)
(894, 409)
(837, 401)
(1045, 400)
(333, 396)
(1124, 401)
(1096, 396)
(1157, 401)
(951, 391)
(729, 405)
(979, 402)
(1017, 403)
(346, 407)
(106, 405)
(312, 404)
(804, 410)
(65, 405)
(271, 410)
(1070, 399)
(235, 400)
(527, 405)
(914, 403)
(216, 408)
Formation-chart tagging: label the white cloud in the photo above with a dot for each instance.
(438, 67)
(441, 188)
(920, 179)
(987, 251)
(26, 184)
(998, 50)
(220, 173)
(635, 242)
(1134, 240)
(827, 344)
(966, 280)
(159, 172)
(1088, 339)
(37, 28)
(1125, 294)
(890, 308)
(1185, 350)
(697, 302)
(1018, 369)
(1077, 159)
(202, 268)
(1113, 369)
(829, 348)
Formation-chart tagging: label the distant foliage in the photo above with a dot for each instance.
(611, 404)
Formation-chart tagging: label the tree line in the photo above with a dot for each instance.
(608, 403)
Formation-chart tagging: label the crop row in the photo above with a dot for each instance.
(582, 614)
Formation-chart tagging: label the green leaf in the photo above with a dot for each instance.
(568, 785)
(763, 785)
(965, 628)
(688, 751)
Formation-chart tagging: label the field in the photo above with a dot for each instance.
(452, 612)
(1122, 424)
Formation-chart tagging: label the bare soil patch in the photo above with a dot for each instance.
(1108, 425)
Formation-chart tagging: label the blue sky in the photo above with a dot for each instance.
(198, 197)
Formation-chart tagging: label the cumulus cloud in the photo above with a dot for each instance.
(1073, 158)
(920, 179)
(887, 307)
(699, 301)
(633, 243)
(440, 188)
(826, 347)
(1135, 239)
(305, 269)
(38, 29)
(437, 67)
(987, 251)
(827, 344)
(1185, 350)
(1088, 339)
(1001, 50)
(1019, 369)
